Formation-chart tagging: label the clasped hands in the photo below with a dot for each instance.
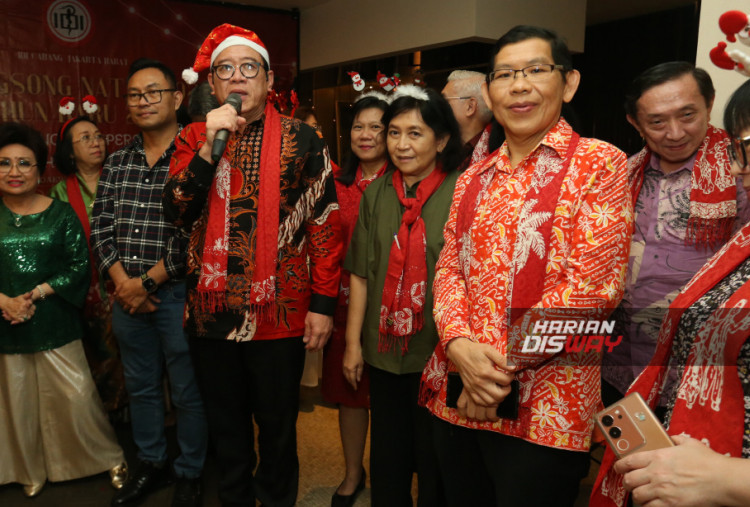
(134, 298)
(18, 309)
(486, 376)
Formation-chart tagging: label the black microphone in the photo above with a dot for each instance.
(220, 140)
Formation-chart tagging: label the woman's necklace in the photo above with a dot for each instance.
(17, 217)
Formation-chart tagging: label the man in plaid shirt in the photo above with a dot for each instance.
(144, 257)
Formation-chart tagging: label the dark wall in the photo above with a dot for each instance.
(614, 54)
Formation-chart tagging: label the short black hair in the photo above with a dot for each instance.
(351, 161)
(63, 157)
(737, 112)
(20, 133)
(148, 63)
(438, 115)
(520, 33)
(302, 112)
(662, 73)
(201, 100)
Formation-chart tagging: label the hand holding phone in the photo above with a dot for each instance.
(630, 426)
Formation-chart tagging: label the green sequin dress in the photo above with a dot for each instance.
(43, 247)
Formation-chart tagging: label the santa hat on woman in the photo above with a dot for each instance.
(218, 40)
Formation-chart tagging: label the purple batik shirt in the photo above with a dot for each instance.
(660, 264)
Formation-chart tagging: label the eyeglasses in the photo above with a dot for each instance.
(738, 148)
(457, 98)
(151, 96)
(87, 139)
(535, 73)
(226, 70)
(24, 165)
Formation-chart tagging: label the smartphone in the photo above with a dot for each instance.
(630, 426)
(508, 409)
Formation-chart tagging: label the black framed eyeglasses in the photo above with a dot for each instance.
(535, 73)
(738, 148)
(24, 165)
(225, 71)
(151, 96)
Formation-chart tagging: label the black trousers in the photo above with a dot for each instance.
(484, 468)
(401, 443)
(240, 382)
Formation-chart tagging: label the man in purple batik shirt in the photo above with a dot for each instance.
(670, 106)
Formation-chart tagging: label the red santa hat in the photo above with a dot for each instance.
(218, 40)
(732, 22)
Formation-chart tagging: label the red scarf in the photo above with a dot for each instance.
(361, 183)
(75, 197)
(213, 276)
(527, 278)
(402, 306)
(76, 202)
(709, 404)
(713, 197)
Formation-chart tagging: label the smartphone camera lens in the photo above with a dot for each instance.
(615, 432)
(608, 420)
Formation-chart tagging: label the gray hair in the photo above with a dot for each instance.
(468, 83)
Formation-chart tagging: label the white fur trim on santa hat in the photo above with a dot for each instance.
(190, 76)
(236, 40)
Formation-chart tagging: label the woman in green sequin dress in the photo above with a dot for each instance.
(79, 156)
(53, 422)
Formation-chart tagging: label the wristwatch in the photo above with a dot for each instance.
(149, 284)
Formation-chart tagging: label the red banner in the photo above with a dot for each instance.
(56, 48)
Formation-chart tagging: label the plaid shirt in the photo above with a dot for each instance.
(128, 224)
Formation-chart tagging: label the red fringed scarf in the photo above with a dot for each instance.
(527, 279)
(76, 202)
(709, 404)
(402, 307)
(93, 296)
(713, 198)
(213, 276)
